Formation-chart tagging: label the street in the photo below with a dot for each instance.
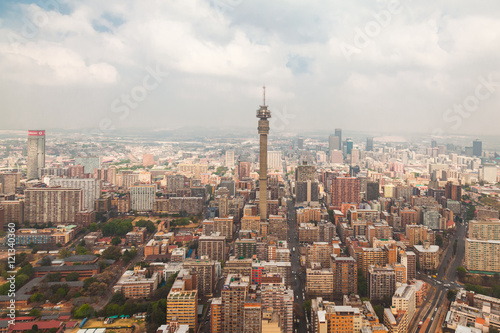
(445, 280)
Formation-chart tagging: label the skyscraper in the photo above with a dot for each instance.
(338, 133)
(230, 159)
(349, 145)
(477, 148)
(263, 114)
(369, 144)
(36, 153)
(333, 142)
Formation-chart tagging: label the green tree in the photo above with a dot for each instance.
(35, 313)
(37, 297)
(64, 253)
(73, 276)
(116, 241)
(93, 227)
(117, 298)
(439, 240)
(112, 252)
(53, 277)
(84, 311)
(307, 307)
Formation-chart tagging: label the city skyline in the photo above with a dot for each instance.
(323, 66)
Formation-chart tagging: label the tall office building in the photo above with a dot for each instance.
(263, 129)
(369, 144)
(477, 148)
(230, 159)
(349, 145)
(338, 133)
(36, 153)
(333, 142)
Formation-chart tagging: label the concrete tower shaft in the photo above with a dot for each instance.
(263, 129)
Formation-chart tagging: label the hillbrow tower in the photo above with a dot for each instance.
(263, 114)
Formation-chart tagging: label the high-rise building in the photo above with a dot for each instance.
(252, 314)
(216, 317)
(213, 246)
(263, 129)
(234, 293)
(348, 146)
(230, 159)
(453, 191)
(56, 205)
(244, 170)
(369, 144)
(205, 270)
(300, 143)
(338, 133)
(36, 153)
(345, 190)
(404, 300)
(182, 307)
(477, 148)
(9, 181)
(91, 189)
(381, 282)
(277, 296)
(482, 255)
(333, 142)
(345, 276)
(409, 260)
(142, 197)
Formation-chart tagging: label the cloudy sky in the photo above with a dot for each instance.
(404, 66)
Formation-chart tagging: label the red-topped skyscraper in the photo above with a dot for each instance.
(263, 114)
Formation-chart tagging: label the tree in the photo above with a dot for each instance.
(54, 277)
(307, 307)
(93, 227)
(461, 273)
(451, 294)
(73, 276)
(116, 241)
(36, 297)
(439, 240)
(46, 261)
(379, 310)
(84, 311)
(112, 252)
(64, 253)
(118, 298)
(35, 313)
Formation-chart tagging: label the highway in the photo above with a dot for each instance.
(444, 281)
